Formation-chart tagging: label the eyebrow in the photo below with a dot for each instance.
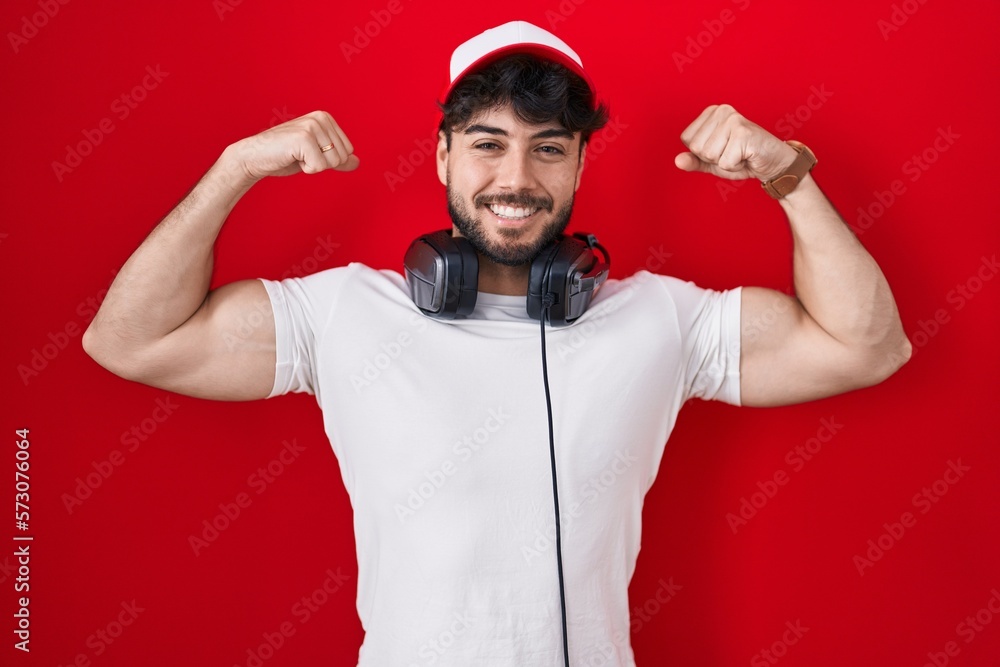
(499, 132)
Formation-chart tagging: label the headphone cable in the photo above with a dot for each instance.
(547, 301)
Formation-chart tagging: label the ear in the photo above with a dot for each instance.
(442, 158)
(579, 167)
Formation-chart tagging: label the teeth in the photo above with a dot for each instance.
(510, 212)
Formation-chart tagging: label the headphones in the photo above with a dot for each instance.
(442, 272)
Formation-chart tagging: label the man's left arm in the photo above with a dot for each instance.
(841, 330)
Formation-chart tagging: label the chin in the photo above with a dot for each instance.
(506, 241)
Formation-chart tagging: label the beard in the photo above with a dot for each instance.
(510, 250)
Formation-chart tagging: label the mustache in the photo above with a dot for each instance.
(516, 200)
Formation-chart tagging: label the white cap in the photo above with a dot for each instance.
(510, 38)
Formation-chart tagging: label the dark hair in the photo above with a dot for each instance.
(539, 91)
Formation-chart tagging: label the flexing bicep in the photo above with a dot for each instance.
(224, 351)
(786, 357)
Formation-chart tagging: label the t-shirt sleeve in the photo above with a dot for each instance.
(302, 308)
(709, 323)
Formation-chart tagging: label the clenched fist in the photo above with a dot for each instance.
(295, 146)
(724, 143)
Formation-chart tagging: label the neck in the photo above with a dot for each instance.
(499, 279)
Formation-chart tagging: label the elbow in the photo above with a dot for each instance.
(91, 344)
(905, 352)
(109, 355)
(884, 359)
(88, 341)
(897, 356)
(98, 349)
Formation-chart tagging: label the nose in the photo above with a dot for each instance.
(516, 172)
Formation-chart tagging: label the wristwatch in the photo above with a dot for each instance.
(781, 185)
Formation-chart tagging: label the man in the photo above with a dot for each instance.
(439, 425)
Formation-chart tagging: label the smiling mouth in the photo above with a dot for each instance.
(513, 213)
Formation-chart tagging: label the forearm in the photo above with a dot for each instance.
(167, 278)
(837, 282)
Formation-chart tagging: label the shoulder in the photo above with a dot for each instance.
(651, 286)
(316, 297)
(680, 298)
(356, 275)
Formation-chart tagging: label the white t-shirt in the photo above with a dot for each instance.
(441, 433)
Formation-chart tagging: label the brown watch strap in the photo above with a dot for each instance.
(781, 185)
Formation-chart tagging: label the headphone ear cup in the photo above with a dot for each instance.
(442, 273)
(538, 280)
(568, 272)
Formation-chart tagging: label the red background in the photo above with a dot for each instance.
(230, 74)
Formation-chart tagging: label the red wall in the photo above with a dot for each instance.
(872, 87)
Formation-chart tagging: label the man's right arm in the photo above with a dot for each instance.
(160, 325)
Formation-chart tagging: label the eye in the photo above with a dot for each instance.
(487, 145)
(551, 150)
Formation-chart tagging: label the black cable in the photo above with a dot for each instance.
(546, 304)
